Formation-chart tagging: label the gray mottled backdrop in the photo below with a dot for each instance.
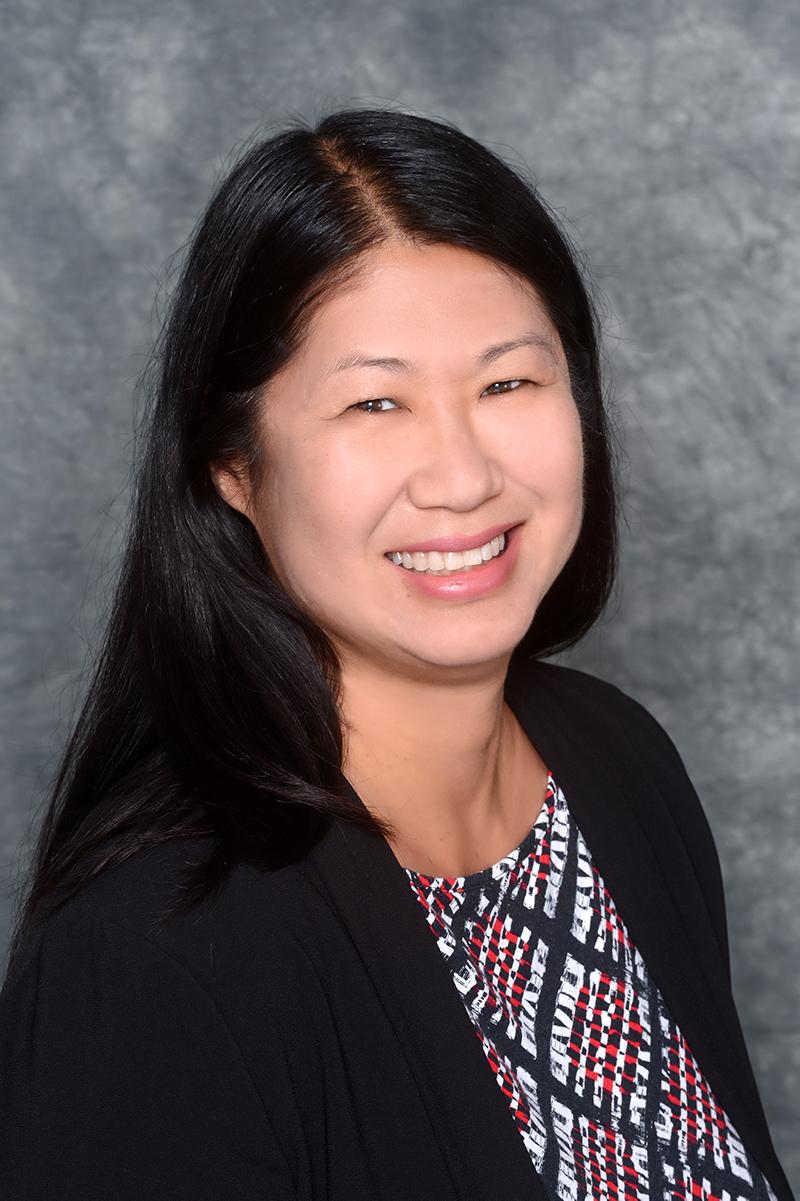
(666, 134)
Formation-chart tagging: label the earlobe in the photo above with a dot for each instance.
(230, 487)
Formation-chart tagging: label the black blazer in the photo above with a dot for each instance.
(301, 1036)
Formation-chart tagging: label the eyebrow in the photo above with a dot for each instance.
(489, 355)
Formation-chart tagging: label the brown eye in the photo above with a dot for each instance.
(375, 401)
(502, 384)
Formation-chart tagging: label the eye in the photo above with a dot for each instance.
(502, 384)
(374, 401)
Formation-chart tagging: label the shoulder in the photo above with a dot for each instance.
(583, 712)
(600, 707)
(129, 915)
(606, 715)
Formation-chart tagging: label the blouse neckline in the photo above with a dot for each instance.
(502, 866)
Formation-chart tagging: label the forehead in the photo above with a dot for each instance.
(422, 302)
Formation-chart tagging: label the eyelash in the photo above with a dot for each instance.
(376, 399)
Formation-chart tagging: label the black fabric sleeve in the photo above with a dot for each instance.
(120, 1080)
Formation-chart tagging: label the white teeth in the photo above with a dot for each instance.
(438, 563)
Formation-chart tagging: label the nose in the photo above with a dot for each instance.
(452, 466)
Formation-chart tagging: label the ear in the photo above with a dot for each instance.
(232, 487)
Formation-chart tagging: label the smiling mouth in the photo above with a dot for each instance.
(506, 535)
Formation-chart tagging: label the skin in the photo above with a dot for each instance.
(429, 741)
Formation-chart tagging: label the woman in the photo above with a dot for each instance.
(345, 892)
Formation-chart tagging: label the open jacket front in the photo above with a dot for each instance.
(301, 1037)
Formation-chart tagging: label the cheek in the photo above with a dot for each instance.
(549, 460)
(325, 498)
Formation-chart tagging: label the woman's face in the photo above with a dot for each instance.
(439, 450)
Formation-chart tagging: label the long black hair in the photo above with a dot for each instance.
(213, 704)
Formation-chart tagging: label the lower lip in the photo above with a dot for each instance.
(475, 581)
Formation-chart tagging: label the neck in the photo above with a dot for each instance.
(448, 765)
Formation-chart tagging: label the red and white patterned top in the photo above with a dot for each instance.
(602, 1085)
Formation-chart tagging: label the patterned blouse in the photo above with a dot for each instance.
(602, 1085)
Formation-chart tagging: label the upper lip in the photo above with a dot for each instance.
(457, 542)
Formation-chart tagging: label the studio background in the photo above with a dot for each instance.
(666, 135)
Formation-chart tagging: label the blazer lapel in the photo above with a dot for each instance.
(469, 1116)
(639, 853)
